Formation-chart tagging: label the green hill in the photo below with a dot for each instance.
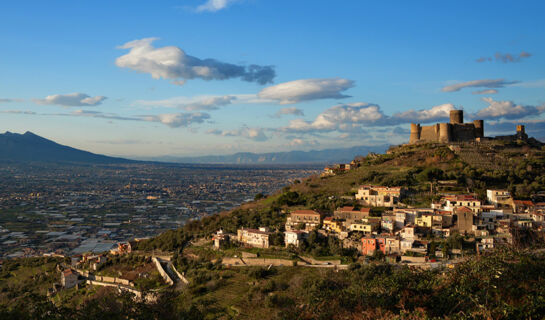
(506, 283)
(520, 168)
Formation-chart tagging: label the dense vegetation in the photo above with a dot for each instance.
(506, 284)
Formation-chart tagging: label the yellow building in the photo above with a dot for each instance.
(332, 224)
(425, 220)
(367, 225)
(379, 196)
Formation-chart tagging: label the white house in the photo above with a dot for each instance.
(294, 237)
(253, 237)
(497, 196)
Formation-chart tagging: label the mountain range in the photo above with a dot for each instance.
(29, 147)
(288, 157)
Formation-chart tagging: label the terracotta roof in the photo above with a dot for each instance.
(351, 209)
(524, 202)
(306, 212)
(68, 272)
(463, 209)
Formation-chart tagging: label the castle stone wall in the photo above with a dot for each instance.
(464, 132)
(453, 131)
(429, 133)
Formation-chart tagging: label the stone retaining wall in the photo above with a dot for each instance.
(162, 271)
(113, 280)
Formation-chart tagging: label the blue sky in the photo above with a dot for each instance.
(132, 78)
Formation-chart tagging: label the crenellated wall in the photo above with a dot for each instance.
(453, 131)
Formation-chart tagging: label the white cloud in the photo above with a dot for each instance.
(436, 113)
(289, 111)
(256, 134)
(97, 114)
(486, 83)
(298, 142)
(190, 103)
(71, 100)
(176, 120)
(214, 5)
(174, 64)
(173, 120)
(486, 91)
(354, 117)
(307, 89)
(344, 117)
(506, 110)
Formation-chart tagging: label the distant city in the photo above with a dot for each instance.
(47, 208)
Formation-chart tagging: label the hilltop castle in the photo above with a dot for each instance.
(454, 131)
(458, 131)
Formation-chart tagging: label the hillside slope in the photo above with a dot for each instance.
(519, 168)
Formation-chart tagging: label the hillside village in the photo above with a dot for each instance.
(382, 221)
(437, 223)
(404, 233)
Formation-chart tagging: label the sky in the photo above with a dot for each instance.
(146, 79)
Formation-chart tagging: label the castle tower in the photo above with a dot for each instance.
(415, 133)
(456, 116)
(479, 128)
(444, 132)
(521, 132)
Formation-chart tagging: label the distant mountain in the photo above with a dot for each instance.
(291, 157)
(29, 147)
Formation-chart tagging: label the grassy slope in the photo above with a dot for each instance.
(250, 293)
(474, 168)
